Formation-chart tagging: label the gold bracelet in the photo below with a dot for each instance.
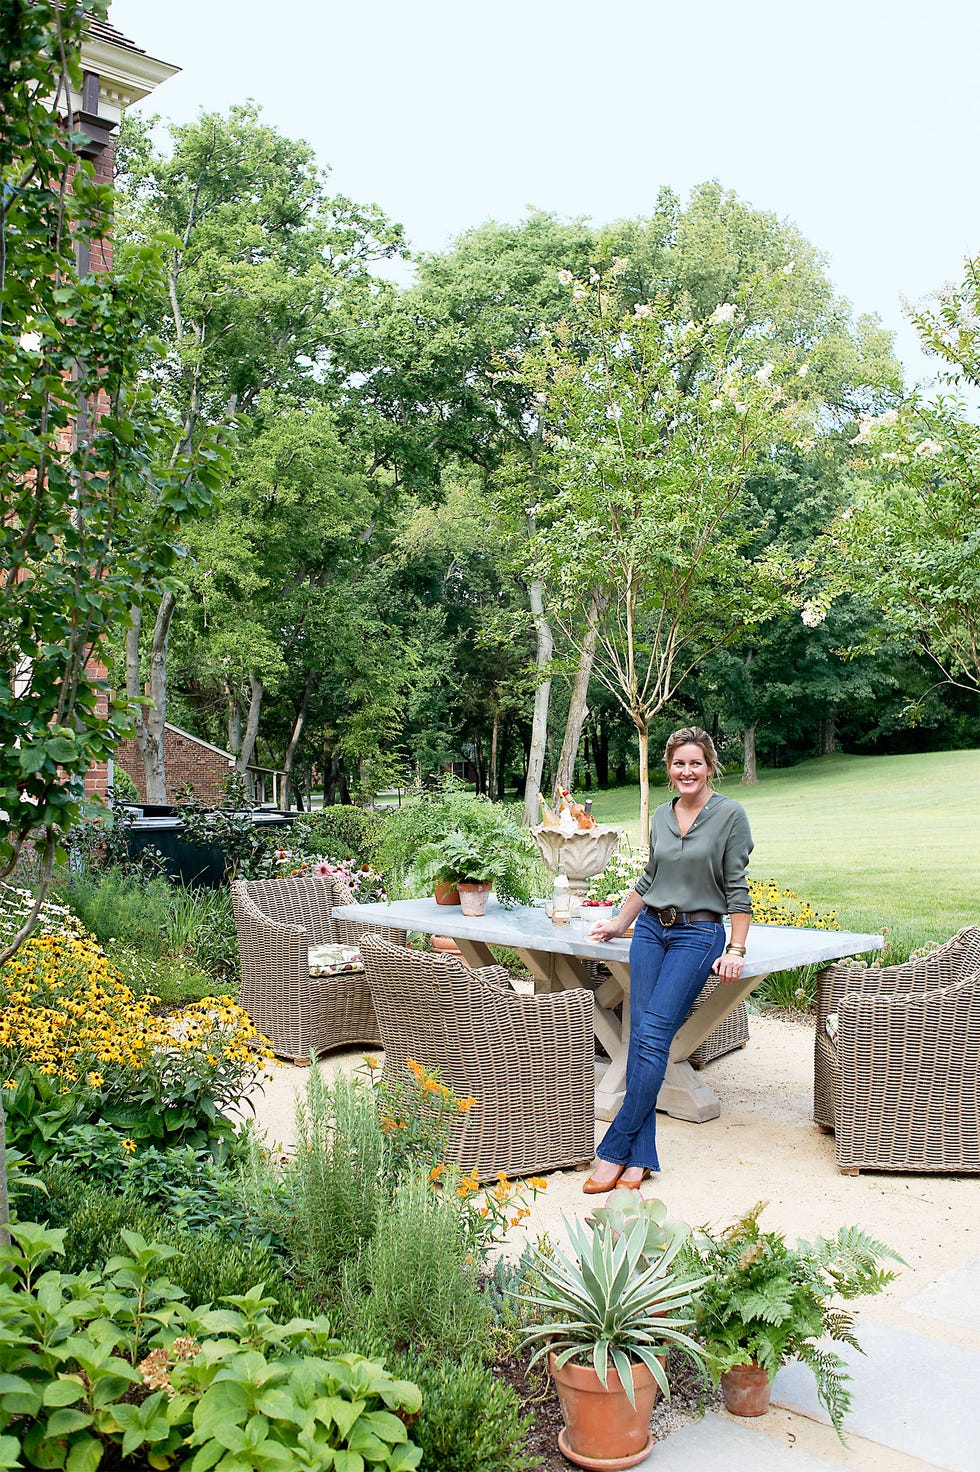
(731, 950)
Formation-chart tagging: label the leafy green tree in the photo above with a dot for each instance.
(252, 306)
(96, 478)
(641, 482)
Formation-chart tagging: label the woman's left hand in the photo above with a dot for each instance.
(729, 966)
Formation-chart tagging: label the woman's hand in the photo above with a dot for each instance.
(731, 963)
(728, 966)
(607, 930)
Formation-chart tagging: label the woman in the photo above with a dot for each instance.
(699, 847)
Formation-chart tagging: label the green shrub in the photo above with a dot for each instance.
(77, 1356)
(338, 833)
(326, 1202)
(209, 1263)
(117, 907)
(470, 1421)
(415, 1284)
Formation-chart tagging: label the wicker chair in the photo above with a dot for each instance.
(529, 1062)
(277, 922)
(897, 1072)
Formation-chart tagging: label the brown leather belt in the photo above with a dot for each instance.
(671, 916)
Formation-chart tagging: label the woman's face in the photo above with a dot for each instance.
(690, 770)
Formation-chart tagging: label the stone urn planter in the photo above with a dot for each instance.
(584, 852)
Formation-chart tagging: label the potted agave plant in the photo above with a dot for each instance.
(612, 1310)
(764, 1302)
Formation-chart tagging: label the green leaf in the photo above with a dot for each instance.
(63, 1392)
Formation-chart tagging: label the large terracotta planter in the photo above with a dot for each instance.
(473, 898)
(746, 1389)
(602, 1430)
(446, 894)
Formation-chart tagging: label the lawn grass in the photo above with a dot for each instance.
(889, 843)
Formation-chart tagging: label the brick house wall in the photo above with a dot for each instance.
(186, 759)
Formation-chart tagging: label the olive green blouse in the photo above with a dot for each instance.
(704, 870)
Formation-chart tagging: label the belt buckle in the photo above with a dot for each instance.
(673, 912)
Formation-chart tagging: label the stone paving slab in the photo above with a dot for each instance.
(953, 1297)
(915, 1394)
(715, 1444)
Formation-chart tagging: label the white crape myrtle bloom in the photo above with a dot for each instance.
(565, 277)
(593, 276)
(765, 372)
(613, 411)
(847, 513)
(927, 448)
(741, 407)
(724, 312)
(619, 265)
(887, 419)
(717, 403)
(643, 309)
(802, 372)
(789, 268)
(579, 294)
(812, 615)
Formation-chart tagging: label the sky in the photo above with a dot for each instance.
(859, 121)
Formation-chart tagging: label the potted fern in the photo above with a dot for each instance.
(612, 1310)
(483, 851)
(764, 1303)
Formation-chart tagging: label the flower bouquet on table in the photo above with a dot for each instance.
(609, 891)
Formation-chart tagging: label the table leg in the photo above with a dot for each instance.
(684, 1094)
(552, 971)
(475, 952)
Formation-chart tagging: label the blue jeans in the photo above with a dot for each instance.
(668, 968)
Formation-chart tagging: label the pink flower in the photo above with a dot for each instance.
(322, 870)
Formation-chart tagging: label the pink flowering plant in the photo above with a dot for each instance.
(366, 885)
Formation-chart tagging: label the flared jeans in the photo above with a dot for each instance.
(668, 968)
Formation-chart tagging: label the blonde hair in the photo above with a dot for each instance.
(694, 736)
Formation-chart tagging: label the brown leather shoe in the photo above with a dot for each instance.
(592, 1187)
(631, 1185)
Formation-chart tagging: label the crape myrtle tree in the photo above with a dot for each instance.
(909, 544)
(653, 424)
(96, 479)
(257, 293)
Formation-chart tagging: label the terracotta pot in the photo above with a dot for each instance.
(602, 1429)
(746, 1389)
(473, 898)
(445, 893)
(447, 947)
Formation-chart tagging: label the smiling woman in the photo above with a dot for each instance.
(699, 847)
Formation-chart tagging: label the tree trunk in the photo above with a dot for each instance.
(151, 719)
(246, 749)
(828, 734)
(234, 720)
(750, 775)
(600, 750)
(643, 747)
(297, 731)
(493, 776)
(577, 706)
(542, 696)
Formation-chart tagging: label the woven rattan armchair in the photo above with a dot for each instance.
(277, 922)
(897, 1061)
(527, 1061)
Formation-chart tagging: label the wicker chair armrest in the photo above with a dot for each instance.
(911, 1010)
(837, 981)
